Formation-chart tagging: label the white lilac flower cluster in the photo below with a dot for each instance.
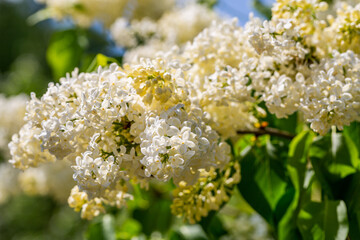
(177, 144)
(309, 73)
(342, 33)
(117, 125)
(285, 63)
(321, 27)
(217, 74)
(332, 94)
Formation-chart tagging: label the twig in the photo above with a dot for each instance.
(268, 130)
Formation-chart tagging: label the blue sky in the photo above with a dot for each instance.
(239, 8)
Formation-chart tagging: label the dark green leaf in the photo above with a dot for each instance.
(297, 161)
(175, 235)
(353, 131)
(284, 203)
(296, 165)
(264, 183)
(325, 220)
(262, 8)
(249, 187)
(354, 225)
(288, 124)
(352, 200)
(145, 217)
(270, 183)
(95, 232)
(334, 157)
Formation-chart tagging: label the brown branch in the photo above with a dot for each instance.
(268, 130)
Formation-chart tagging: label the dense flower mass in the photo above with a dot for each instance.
(177, 144)
(310, 74)
(280, 62)
(332, 95)
(166, 117)
(118, 124)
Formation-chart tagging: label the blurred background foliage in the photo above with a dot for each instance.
(23, 66)
(34, 54)
(31, 56)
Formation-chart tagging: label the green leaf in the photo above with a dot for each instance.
(334, 158)
(284, 203)
(354, 225)
(297, 161)
(65, 52)
(243, 142)
(353, 132)
(270, 183)
(264, 184)
(100, 60)
(325, 220)
(262, 8)
(250, 189)
(288, 124)
(175, 235)
(351, 199)
(296, 165)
